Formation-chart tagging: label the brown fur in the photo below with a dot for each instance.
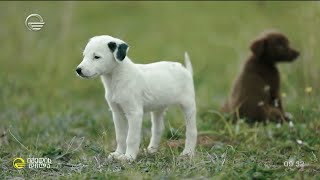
(255, 94)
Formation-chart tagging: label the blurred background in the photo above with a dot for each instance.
(41, 94)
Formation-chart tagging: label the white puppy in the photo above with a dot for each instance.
(134, 89)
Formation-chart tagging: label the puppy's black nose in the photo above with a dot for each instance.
(78, 70)
(295, 54)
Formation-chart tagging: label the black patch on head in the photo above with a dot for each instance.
(112, 46)
(122, 51)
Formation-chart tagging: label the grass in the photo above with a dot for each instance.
(66, 118)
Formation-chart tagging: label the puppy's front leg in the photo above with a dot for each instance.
(121, 128)
(134, 117)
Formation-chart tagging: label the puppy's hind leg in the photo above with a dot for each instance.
(156, 130)
(189, 111)
(275, 114)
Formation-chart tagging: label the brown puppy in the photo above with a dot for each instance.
(255, 93)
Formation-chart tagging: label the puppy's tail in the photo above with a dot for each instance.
(187, 63)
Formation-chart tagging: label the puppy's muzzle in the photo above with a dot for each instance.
(294, 54)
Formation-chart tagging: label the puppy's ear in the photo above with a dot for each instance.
(257, 47)
(119, 50)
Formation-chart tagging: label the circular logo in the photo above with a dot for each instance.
(34, 26)
(18, 163)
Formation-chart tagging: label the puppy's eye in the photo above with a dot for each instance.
(96, 57)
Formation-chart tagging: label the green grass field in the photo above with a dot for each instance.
(47, 111)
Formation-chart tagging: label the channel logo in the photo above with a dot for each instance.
(32, 163)
(34, 25)
(19, 163)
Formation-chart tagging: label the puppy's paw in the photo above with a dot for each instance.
(288, 116)
(278, 125)
(125, 158)
(114, 156)
(152, 150)
(291, 124)
(187, 153)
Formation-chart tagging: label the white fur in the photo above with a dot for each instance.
(134, 89)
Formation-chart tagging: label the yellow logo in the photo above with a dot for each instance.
(18, 163)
